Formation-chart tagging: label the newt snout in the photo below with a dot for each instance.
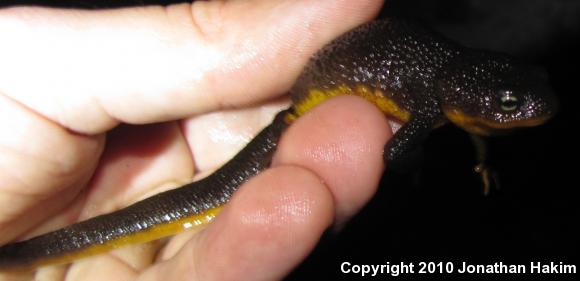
(411, 74)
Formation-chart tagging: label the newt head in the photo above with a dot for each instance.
(489, 93)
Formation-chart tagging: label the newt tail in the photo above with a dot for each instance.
(411, 74)
(161, 215)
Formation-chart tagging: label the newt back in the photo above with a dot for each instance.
(410, 73)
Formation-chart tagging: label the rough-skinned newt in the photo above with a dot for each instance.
(413, 75)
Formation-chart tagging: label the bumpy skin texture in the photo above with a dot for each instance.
(410, 73)
(168, 207)
(430, 77)
(398, 58)
(497, 90)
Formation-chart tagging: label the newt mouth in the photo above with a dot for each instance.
(486, 127)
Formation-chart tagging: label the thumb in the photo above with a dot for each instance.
(89, 70)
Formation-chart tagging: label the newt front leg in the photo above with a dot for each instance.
(408, 137)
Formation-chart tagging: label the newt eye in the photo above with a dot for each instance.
(509, 102)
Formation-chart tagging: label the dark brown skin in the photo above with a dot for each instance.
(411, 74)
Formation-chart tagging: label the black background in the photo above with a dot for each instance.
(439, 213)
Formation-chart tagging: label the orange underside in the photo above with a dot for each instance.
(314, 97)
(375, 96)
(150, 234)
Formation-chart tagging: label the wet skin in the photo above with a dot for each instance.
(413, 75)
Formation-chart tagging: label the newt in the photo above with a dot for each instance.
(412, 74)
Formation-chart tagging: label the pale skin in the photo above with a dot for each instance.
(68, 79)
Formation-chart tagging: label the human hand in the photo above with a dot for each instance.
(69, 77)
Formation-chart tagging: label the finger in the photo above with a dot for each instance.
(138, 162)
(88, 70)
(275, 219)
(224, 133)
(42, 167)
(343, 143)
(272, 223)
